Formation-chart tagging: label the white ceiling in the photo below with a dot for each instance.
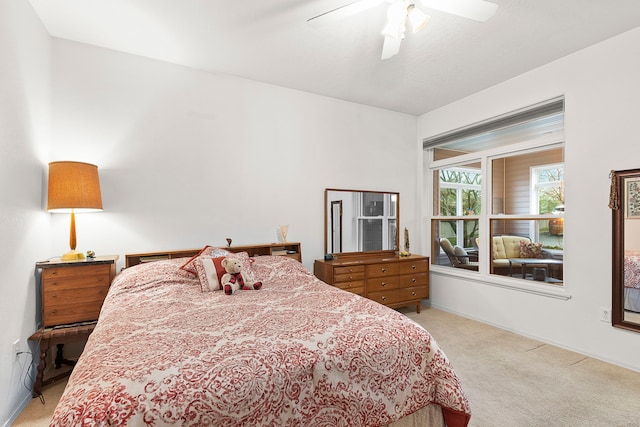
(270, 41)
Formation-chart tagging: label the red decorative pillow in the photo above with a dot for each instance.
(206, 251)
(530, 249)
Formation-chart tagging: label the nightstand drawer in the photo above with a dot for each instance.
(71, 313)
(57, 297)
(76, 271)
(61, 283)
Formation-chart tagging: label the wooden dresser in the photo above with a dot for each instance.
(388, 279)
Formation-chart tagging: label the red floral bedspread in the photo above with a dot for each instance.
(632, 269)
(297, 352)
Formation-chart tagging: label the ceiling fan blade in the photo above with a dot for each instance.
(477, 10)
(343, 12)
(391, 47)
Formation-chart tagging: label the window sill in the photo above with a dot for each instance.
(542, 289)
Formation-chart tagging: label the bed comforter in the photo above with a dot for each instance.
(297, 352)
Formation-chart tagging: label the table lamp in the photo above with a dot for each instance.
(73, 187)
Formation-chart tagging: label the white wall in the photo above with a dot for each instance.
(188, 158)
(602, 93)
(24, 226)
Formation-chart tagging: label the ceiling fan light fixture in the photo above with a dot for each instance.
(418, 18)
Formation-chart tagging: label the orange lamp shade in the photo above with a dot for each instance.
(73, 185)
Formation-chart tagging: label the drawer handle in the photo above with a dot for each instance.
(384, 298)
(350, 277)
(413, 293)
(384, 270)
(383, 284)
(414, 280)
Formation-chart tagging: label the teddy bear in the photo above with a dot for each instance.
(233, 279)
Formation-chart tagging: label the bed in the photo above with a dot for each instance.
(632, 280)
(297, 352)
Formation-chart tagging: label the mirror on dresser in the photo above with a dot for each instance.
(360, 221)
(625, 204)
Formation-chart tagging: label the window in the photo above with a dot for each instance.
(511, 222)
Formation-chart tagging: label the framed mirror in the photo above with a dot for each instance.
(358, 221)
(625, 204)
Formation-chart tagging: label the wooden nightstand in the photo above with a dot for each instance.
(72, 293)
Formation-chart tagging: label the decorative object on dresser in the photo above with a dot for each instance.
(73, 187)
(289, 249)
(391, 280)
(71, 296)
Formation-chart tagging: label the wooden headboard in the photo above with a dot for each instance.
(289, 249)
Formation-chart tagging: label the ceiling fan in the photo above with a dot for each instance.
(400, 11)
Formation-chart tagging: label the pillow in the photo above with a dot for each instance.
(530, 249)
(457, 250)
(206, 251)
(209, 270)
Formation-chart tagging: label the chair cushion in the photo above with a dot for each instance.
(512, 245)
(499, 251)
(457, 250)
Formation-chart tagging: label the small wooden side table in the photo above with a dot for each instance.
(46, 338)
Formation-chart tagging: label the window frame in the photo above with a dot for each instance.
(484, 158)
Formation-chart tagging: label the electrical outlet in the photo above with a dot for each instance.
(16, 347)
(605, 314)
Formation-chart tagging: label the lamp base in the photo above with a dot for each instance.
(72, 256)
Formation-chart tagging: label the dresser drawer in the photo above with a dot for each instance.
(354, 289)
(416, 279)
(396, 296)
(421, 266)
(383, 283)
(418, 292)
(85, 270)
(351, 269)
(383, 269)
(351, 286)
(348, 277)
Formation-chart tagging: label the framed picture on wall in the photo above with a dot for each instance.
(632, 194)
